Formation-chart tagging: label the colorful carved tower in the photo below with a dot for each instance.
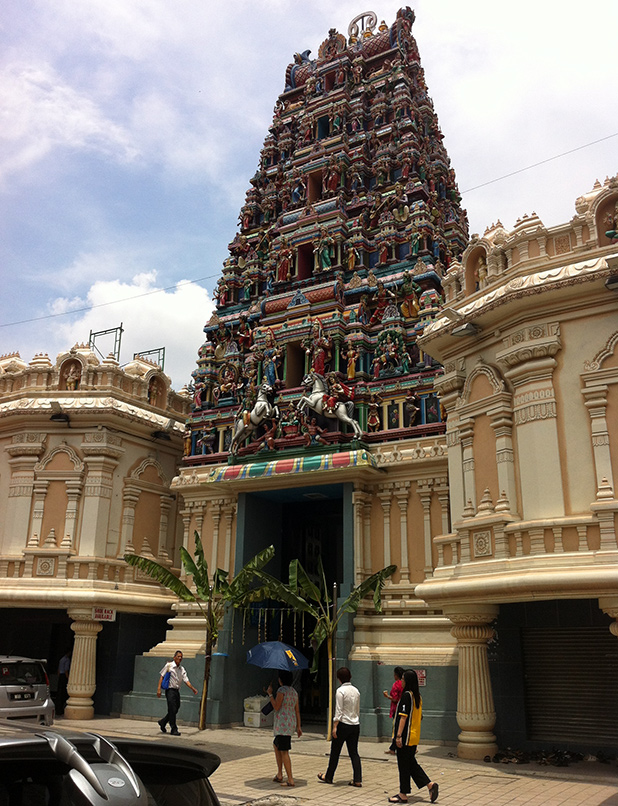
(350, 222)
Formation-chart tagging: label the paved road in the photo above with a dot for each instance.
(248, 766)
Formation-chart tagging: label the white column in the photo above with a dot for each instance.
(424, 488)
(476, 714)
(82, 677)
(230, 510)
(596, 403)
(503, 428)
(358, 500)
(217, 506)
(385, 495)
(130, 497)
(402, 494)
(165, 505)
(367, 535)
(466, 431)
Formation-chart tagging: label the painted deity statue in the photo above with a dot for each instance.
(284, 268)
(317, 346)
(410, 290)
(373, 414)
(72, 377)
(271, 358)
(381, 298)
(351, 356)
(325, 250)
(337, 391)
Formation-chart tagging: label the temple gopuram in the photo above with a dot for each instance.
(348, 226)
(316, 426)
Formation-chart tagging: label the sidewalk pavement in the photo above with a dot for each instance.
(248, 766)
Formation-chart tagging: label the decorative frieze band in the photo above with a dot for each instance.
(20, 490)
(538, 411)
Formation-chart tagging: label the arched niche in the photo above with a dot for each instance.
(157, 388)
(475, 269)
(606, 218)
(70, 374)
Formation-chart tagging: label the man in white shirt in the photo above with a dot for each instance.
(177, 675)
(346, 728)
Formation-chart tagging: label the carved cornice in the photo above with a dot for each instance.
(520, 287)
(530, 344)
(28, 443)
(92, 405)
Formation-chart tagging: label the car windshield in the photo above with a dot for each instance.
(21, 673)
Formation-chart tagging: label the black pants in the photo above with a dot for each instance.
(62, 695)
(172, 695)
(410, 768)
(348, 734)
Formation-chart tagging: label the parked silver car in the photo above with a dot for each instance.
(58, 767)
(24, 690)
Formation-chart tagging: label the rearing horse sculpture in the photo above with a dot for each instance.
(263, 409)
(314, 400)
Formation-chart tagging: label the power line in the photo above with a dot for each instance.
(111, 302)
(210, 276)
(542, 162)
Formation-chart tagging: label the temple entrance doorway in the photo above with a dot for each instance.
(305, 523)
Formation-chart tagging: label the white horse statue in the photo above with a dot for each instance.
(263, 409)
(314, 400)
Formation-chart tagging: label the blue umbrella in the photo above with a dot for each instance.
(275, 655)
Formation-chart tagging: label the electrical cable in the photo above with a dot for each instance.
(210, 276)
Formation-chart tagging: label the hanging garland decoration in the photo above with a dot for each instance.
(281, 626)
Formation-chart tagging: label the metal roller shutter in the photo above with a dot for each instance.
(571, 685)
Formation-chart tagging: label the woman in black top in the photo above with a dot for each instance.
(407, 736)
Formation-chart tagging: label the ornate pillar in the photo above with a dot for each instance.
(424, 488)
(402, 494)
(503, 428)
(441, 489)
(359, 499)
(217, 511)
(367, 536)
(529, 363)
(74, 489)
(101, 451)
(230, 510)
(165, 505)
(82, 677)
(24, 451)
(385, 494)
(466, 432)
(596, 403)
(476, 715)
(130, 497)
(38, 507)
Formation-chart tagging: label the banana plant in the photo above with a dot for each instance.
(304, 596)
(212, 596)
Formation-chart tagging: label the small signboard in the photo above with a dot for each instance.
(422, 676)
(103, 614)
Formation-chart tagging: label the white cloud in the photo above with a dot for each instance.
(39, 112)
(151, 317)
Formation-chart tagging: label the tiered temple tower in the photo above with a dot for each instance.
(351, 220)
(316, 426)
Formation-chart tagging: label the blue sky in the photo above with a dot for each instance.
(129, 130)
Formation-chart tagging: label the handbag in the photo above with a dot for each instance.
(267, 708)
(165, 683)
